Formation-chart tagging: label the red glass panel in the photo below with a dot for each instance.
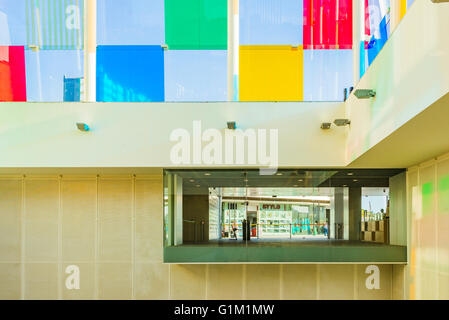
(327, 24)
(12, 73)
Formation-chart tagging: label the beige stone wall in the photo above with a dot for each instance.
(111, 227)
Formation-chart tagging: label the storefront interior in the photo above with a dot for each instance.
(289, 209)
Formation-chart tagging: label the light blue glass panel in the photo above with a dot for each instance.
(271, 22)
(45, 72)
(326, 74)
(130, 22)
(195, 75)
(12, 23)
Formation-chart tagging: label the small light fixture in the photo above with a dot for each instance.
(300, 180)
(350, 173)
(342, 122)
(191, 180)
(326, 125)
(231, 125)
(82, 126)
(279, 174)
(198, 186)
(365, 93)
(207, 174)
(355, 180)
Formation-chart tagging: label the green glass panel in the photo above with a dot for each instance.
(213, 25)
(427, 198)
(443, 195)
(196, 24)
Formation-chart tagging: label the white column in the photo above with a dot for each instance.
(357, 31)
(90, 48)
(233, 49)
(178, 211)
(395, 14)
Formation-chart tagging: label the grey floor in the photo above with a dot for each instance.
(273, 242)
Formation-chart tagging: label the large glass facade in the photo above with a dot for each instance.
(289, 50)
(188, 60)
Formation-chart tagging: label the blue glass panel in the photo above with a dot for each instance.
(271, 22)
(130, 73)
(45, 72)
(12, 23)
(72, 89)
(326, 74)
(130, 22)
(196, 75)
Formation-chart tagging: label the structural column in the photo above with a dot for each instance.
(337, 231)
(357, 32)
(90, 48)
(355, 212)
(233, 49)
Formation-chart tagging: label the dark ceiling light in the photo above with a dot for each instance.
(342, 122)
(82, 126)
(326, 125)
(365, 93)
(231, 125)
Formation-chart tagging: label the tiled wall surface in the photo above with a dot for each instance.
(111, 228)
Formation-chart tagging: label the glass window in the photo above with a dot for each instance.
(196, 24)
(12, 73)
(46, 71)
(130, 22)
(196, 75)
(326, 74)
(130, 74)
(271, 73)
(271, 22)
(13, 23)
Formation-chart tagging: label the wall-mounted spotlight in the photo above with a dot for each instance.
(365, 93)
(342, 122)
(326, 125)
(232, 125)
(82, 126)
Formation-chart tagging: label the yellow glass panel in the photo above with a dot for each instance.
(271, 73)
(403, 8)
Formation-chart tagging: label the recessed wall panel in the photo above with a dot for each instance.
(41, 219)
(10, 217)
(78, 219)
(115, 214)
